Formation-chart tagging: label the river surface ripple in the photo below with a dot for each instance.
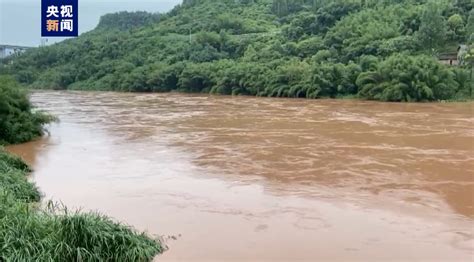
(242, 178)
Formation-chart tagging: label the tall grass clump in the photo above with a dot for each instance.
(29, 232)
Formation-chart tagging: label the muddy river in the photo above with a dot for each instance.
(259, 179)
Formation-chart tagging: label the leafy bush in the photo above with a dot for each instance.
(408, 78)
(18, 121)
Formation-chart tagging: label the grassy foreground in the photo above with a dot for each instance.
(29, 232)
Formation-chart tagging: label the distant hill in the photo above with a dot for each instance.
(373, 49)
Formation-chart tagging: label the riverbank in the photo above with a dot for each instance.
(461, 99)
(31, 232)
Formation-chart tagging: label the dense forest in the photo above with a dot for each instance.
(372, 49)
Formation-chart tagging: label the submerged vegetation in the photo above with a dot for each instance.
(29, 232)
(382, 50)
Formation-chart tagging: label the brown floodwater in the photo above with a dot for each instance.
(259, 179)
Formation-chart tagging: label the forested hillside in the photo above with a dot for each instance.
(373, 49)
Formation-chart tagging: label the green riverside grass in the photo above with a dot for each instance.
(29, 232)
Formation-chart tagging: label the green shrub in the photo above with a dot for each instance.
(18, 122)
(408, 78)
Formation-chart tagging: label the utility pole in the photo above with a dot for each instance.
(471, 63)
(469, 60)
(43, 41)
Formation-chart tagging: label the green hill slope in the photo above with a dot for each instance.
(382, 50)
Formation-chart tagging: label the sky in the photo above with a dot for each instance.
(20, 19)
